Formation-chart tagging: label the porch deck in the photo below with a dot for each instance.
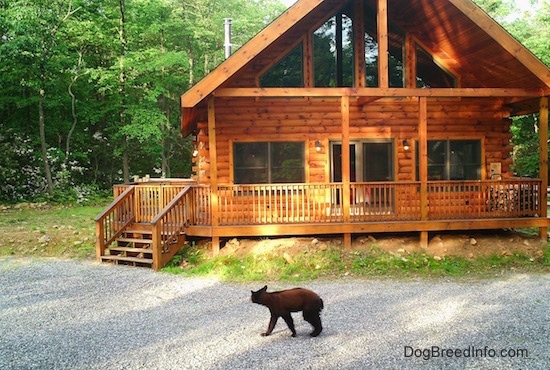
(173, 210)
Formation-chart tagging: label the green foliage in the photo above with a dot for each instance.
(126, 75)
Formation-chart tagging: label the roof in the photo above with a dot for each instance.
(458, 34)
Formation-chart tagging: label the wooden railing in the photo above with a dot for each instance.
(151, 198)
(168, 226)
(483, 199)
(116, 217)
(322, 203)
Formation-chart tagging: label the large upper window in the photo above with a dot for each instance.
(453, 160)
(333, 51)
(269, 162)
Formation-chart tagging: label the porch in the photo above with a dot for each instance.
(147, 223)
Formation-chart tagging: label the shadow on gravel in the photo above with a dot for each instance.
(66, 315)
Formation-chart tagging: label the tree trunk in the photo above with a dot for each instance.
(41, 125)
(122, 90)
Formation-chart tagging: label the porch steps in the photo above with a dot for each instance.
(134, 247)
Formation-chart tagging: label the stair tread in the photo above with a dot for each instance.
(135, 240)
(149, 232)
(129, 249)
(129, 259)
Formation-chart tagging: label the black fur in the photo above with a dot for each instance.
(282, 303)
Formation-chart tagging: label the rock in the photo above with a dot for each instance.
(288, 258)
(471, 255)
(372, 239)
(437, 258)
(526, 242)
(473, 241)
(401, 250)
(44, 239)
(315, 241)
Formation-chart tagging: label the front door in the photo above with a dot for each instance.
(370, 161)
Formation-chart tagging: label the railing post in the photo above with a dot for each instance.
(99, 239)
(157, 246)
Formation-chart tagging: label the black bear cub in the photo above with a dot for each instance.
(282, 303)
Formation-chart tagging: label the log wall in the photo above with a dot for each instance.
(312, 119)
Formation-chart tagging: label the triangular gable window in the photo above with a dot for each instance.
(288, 72)
(431, 74)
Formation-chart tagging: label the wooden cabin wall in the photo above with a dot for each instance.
(312, 119)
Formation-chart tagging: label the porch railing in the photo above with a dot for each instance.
(329, 202)
(117, 216)
(168, 226)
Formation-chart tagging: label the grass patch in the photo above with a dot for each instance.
(69, 232)
(335, 262)
(49, 231)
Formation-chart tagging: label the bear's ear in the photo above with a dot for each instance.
(264, 288)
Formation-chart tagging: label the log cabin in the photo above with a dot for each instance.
(348, 117)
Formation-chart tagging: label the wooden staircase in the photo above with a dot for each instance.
(144, 226)
(134, 247)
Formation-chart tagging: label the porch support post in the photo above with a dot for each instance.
(213, 174)
(344, 107)
(543, 163)
(423, 165)
(382, 21)
(359, 43)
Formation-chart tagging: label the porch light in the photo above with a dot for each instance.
(317, 145)
(406, 145)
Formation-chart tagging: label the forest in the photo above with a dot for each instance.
(90, 89)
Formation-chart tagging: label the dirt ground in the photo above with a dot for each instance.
(478, 244)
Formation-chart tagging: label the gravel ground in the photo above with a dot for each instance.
(80, 315)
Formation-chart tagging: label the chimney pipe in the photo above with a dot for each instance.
(227, 44)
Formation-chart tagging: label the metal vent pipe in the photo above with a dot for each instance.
(227, 44)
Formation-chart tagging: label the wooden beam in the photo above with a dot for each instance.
(423, 156)
(410, 62)
(359, 43)
(297, 92)
(213, 161)
(346, 158)
(382, 30)
(500, 35)
(383, 62)
(365, 227)
(307, 57)
(543, 163)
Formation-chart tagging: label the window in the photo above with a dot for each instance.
(452, 160)
(288, 72)
(269, 162)
(333, 51)
(429, 73)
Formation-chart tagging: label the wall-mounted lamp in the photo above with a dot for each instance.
(195, 144)
(406, 145)
(317, 145)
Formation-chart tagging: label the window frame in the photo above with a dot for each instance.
(447, 164)
(270, 165)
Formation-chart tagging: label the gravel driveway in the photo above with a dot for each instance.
(81, 315)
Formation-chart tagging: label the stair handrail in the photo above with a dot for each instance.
(164, 231)
(114, 219)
